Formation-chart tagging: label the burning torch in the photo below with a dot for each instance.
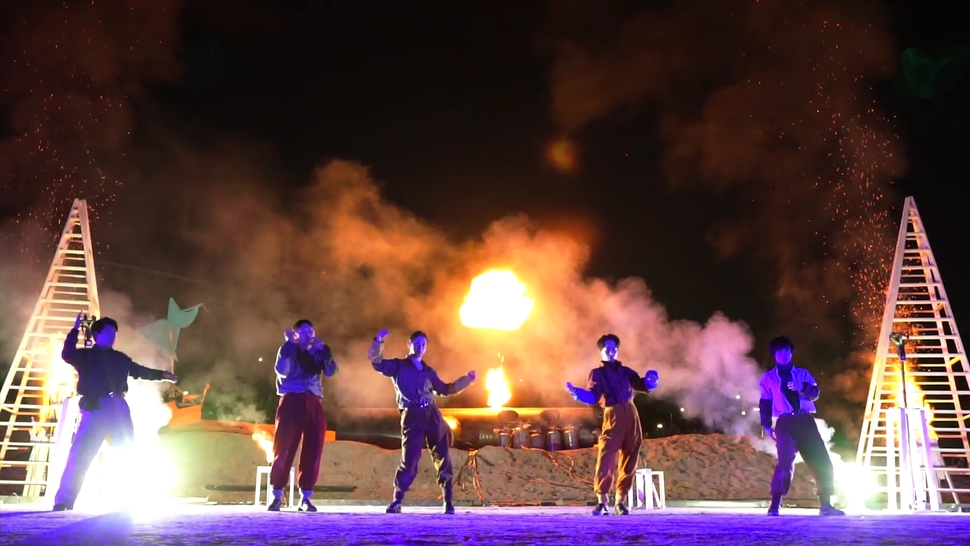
(86, 322)
(899, 340)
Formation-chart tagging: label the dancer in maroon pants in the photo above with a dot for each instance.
(299, 364)
(416, 385)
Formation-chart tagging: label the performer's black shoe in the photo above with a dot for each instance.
(601, 510)
(449, 509)
(275, 505)
(307, 506)
(620, 510)
(775, 505)
(393, 508)
(61, 507)
(829, 510)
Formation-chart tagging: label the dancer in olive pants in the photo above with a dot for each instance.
(415, 386)
(613, 385)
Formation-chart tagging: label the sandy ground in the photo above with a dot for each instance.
(208, 525)
(696, 467)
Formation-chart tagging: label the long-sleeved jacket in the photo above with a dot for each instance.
(775, 394)
(413, 387)
(612, 384)
(102, 371)
(299, 370)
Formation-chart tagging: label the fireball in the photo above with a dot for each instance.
(497, 301)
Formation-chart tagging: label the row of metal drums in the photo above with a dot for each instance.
(552, 439)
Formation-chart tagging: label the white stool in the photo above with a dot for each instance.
(260, 471)
(645, 494)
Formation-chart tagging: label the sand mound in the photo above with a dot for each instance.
(696, 467)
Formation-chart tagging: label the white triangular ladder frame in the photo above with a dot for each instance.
(908, 472)
(38, 382)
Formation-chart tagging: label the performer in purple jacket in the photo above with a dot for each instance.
(416, 384)
(613, 385)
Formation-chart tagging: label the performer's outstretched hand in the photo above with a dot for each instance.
(291, 335)
(381, 335)
(77, 321)
(472, 375)
(570, 387)
(170, 377)
(651, 379)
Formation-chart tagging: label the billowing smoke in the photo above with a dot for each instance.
(352, 263)
(768, 108)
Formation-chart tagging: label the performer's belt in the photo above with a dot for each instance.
(799, 412)
(417, 405)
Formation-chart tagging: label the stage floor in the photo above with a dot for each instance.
(213, 524)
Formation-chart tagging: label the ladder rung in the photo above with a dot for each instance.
(61, 319)
(27, 444)
(920, 302)
(70, 251)
(85, 303)
(69, 268)
(21, 424)
(29, 406)
(21, 482)
(24, 463)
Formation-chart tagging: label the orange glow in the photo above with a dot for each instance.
(452, 422)
(265, 441)
(562, 155)
(497, 300)
(497, 387)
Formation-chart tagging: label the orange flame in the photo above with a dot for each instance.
(265, 441)
(497, 387)
(497, 300)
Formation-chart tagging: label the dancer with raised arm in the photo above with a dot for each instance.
(415, 386)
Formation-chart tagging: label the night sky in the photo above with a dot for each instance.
(705, 139)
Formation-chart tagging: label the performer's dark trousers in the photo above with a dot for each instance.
(619, 446)
(423, 427)
(799, 434)
(111, 422)
(298, 416)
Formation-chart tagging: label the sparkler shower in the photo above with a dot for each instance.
(788, 138)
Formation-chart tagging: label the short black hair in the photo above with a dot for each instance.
(103, 323)
(416, 334)
(778, 343)
(302, 322)
(601, 342)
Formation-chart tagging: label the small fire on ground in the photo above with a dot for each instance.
(265, 441)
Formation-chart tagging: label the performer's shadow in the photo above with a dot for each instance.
(113, 528)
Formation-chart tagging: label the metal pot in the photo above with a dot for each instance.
(554, 438)
(520, 438)
(504, 437)
(537, 440)
(571, 436)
